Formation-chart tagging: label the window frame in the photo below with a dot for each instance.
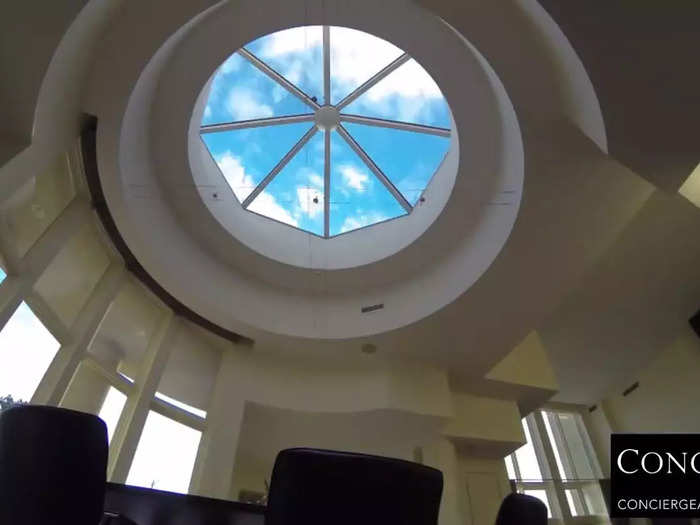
(561, 489)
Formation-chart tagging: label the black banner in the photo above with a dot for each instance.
(655, 475)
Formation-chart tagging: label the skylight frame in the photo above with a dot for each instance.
(312, 102)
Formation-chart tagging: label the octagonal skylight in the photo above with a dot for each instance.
(326, 129)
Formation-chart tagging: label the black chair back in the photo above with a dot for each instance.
(319, 487)
(53, 464)
(520, 509)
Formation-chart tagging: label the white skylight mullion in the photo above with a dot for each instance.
(256, 123)
(326, 64)
(327, 186)
(373, 81)
(279, 167)
(396, 124)
(375, 169)
(274, 75)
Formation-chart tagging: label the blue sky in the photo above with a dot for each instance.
(239, 91)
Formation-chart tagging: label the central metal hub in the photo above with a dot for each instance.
(327, 118)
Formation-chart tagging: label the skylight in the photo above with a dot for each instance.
(326, 129)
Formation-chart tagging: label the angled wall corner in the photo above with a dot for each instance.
(527, 364)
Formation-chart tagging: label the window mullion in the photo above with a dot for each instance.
(279, 167)
(546, 458)
(327, 185)
(327, 64)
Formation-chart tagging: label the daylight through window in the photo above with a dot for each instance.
(26, 351)
(326, 129)
(569, 485)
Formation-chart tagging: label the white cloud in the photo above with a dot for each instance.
(310, 201)
(359, 221)
(232, 63)
(242, 184)
(294, 40)
(265, 204)
(316, 180)
(234, 173)
(207, 111)
(354, 178)
(243, 104)
(357, 56)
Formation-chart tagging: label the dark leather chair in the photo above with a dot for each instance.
(520, 509)
(53, 465)
(319, 487)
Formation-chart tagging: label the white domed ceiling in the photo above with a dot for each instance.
(179, 198)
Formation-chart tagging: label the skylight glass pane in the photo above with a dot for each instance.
(246, 156)
(295, 196)
(297, 55)
(408, 94)
(355, 58)
(165, 455)
(357, 197)
(183, 406)
(240, 91)
(407, 158)
(2, 275)
(111, 410)
(527, 460)
(26, 351)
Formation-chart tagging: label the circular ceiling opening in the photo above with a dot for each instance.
(326, 129)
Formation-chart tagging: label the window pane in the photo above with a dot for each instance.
(509, 468)
(527, 460)
(557, 446)
(112, 409)
(26, 351)
(297, 55)
(407, 158)
(408, 94)
(542, 496)
(357, 197)
(594, 499)
(165, 456)
(574, 442)
(574, 501)
(2, 275)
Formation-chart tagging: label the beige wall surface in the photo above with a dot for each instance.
(668, 397)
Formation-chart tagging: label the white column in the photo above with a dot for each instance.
(128, 432)
(213, 468)
(442, 455)
(56, 379)
(21, 279)
(13, 290)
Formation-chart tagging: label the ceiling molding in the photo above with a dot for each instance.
(88, 142)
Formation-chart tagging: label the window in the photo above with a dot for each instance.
(184, 406)
(111, 410)
(326, 129)
(26, 351)
(165, 455)
(568, 485)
